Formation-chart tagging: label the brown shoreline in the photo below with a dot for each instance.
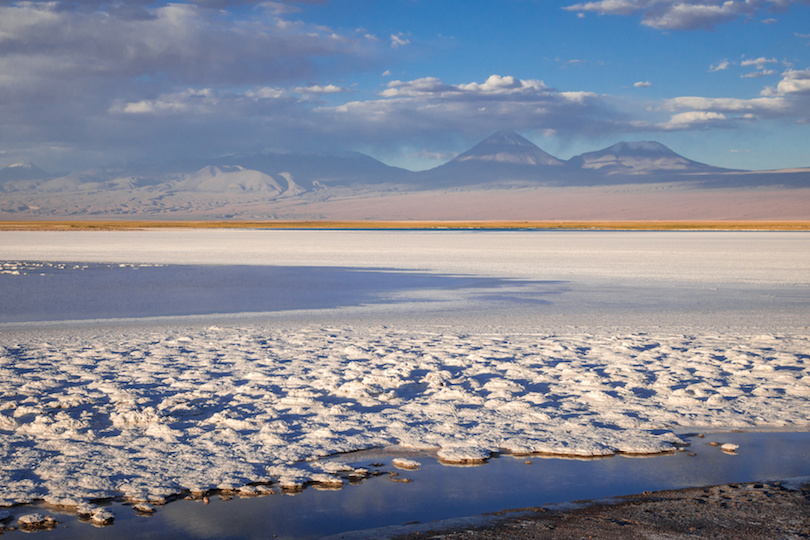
(718, 225)
(745, 511)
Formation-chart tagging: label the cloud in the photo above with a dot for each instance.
(794, 82)
(197, 101)
(757, 74)
(86, 74)
(321, 89)
(193, 103)
(692, 120)
(399, 40)
(429, 107)
(433, 86)
(758, 62)
(788, 101)
(682, 14)
(613, 7)
(719, 66)
(762, 105)
(182, 43)
(642, 84)
(423, 86)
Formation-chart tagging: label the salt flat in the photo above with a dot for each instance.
(696, 256)
(576, 343)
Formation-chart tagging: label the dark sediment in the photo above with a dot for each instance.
(732, 511)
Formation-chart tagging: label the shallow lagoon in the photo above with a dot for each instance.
(377, 506)
(38, 292)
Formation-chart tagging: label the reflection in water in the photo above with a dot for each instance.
(440, 492)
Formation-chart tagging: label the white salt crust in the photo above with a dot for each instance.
(148, 413)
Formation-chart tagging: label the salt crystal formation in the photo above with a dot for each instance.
(94, 414)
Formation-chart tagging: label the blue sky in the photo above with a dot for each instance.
(411, 82)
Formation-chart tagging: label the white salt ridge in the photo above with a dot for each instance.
(95, 413)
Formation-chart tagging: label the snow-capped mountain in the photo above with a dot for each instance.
(637, 158)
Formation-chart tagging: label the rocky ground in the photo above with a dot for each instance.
(732, 511)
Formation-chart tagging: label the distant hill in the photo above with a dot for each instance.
(638, 158)
(504, 166)
(22, 171)
(229, 179)
(507, 158)
(318, 170)
(503, 157)
(508, 147)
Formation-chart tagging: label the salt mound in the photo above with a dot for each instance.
(336, 467)
(102, 517)
(407, 464)
(328, 480)
(87, 509)
(144, 508)
(36, 521)
(463, 455)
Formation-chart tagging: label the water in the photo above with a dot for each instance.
(82, 291)
(439, 492)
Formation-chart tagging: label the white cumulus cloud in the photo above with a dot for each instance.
(794, 81)
(682, 14)
(788, 101)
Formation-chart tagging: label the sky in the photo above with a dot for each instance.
(89, 83)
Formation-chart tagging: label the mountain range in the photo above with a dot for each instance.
(293, 185)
